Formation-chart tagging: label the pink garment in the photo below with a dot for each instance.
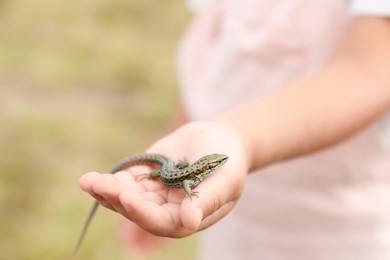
(334, 204)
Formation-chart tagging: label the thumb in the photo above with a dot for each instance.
(217, 195)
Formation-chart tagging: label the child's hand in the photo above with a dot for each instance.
(167, 212)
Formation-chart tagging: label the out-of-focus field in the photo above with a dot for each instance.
(82, 84)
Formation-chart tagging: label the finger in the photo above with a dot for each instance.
(200, 213)
(191, 213)
(87, 181)
(217, 196)
(110, 186)
(161, 220)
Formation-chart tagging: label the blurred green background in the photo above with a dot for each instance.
(83, 83)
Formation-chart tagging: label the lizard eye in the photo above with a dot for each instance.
(213, 165)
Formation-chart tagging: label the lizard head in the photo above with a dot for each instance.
(214, 160)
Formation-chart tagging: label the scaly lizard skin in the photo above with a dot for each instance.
(177, 176)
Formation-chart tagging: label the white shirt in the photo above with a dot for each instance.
(330, 205)
(370, 7)
(358, 7)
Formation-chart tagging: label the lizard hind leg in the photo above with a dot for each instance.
(182, 164)
(152, 174)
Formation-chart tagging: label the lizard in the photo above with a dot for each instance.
(176, 176)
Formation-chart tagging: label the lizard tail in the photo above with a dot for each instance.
(85, 228)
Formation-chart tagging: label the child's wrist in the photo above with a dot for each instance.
(236, 133)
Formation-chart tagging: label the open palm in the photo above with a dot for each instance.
(168, 212)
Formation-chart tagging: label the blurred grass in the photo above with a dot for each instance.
(82, 83)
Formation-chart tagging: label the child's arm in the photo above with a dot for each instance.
(350, 92)
(343, 98)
